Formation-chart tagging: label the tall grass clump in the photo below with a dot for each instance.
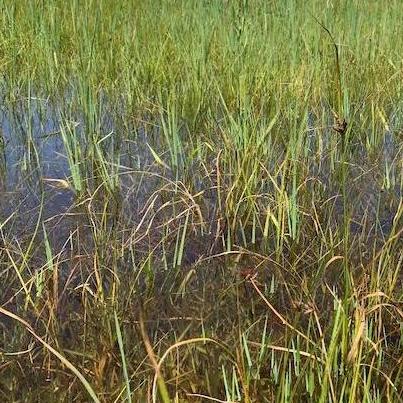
(201, 201)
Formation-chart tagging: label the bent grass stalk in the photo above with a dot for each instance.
(62, 359)
(122, 354)
(213, 102)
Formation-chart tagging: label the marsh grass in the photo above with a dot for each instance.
(184, 214)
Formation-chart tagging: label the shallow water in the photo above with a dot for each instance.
(28, 182)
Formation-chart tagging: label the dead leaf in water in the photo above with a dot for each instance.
(57, 183)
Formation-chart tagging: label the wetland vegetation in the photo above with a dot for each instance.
(201, 201)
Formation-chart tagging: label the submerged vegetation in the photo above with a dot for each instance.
(201, 201)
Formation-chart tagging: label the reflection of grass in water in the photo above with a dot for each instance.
(220, 261)
(2, 158)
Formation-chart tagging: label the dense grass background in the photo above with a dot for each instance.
(269, 52)
(181, 221)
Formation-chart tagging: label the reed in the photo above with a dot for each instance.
(201, 201)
